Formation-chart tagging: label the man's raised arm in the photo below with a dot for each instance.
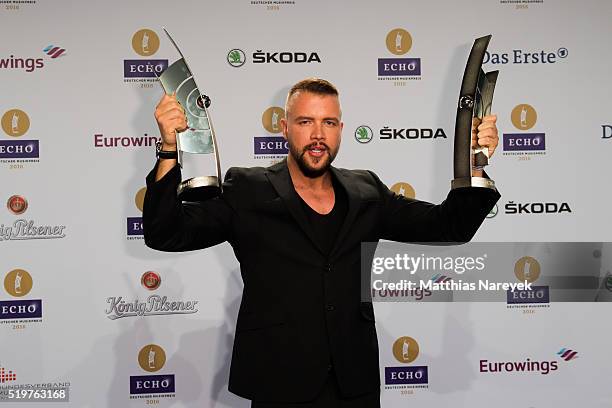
(169, 224)
(458, 217)
(170, 117)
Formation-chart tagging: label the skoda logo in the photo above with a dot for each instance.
(236, 58)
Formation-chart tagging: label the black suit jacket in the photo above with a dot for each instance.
(301, 310)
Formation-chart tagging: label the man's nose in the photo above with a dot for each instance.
(317, 132)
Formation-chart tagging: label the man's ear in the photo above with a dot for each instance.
(283, 123)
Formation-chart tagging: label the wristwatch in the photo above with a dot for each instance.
(164, 154)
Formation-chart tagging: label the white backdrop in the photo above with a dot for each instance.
(91, 190)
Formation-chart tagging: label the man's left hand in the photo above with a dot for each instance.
(484, 134)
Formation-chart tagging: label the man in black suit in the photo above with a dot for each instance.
(304, 338)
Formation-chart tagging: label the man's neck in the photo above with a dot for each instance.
(302, 182)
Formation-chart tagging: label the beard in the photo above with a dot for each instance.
(322, 163)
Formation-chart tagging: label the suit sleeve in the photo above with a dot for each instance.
(456, 219)
(171, 225)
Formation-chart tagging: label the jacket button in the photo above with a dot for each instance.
(328, 268)
(330, 308)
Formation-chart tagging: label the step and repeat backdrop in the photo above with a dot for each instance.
(91, 313)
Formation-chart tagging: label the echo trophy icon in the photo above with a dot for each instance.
(135, 229)
(403, 189)
(405, 350)
(15, 122)
(139, 198)
(18, 283)
(152, 358)
(527, 269)
(145, 42)
(524, 116)
(271, 118)
(399, 41)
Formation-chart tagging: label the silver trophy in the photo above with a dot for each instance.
(198, 139)
(475, 101)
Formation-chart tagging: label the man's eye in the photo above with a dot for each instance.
(331, 123)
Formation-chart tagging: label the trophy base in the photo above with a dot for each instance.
(199, 188)
(472, 182)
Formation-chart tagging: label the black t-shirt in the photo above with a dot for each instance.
(327, 226)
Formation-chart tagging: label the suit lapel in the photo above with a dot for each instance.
(278, 175)
(354, 203)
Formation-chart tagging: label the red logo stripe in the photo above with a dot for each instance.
(57, 53)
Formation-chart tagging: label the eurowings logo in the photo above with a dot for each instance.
(439, 278)
(567, 354)
(54, 51)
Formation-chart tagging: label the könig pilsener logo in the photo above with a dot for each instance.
(17, 204)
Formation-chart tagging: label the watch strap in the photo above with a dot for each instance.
(164, 154)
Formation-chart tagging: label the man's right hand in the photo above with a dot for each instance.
(171, 118)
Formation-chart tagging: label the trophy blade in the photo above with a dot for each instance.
(462, 159)
(487, 92)
(175, 44)
(199, 137)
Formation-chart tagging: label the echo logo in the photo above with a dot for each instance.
(399, 42)
(524, 117)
